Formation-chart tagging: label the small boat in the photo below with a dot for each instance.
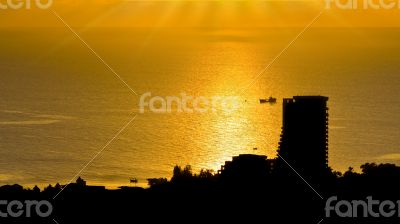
(133, 180)
(269, 100)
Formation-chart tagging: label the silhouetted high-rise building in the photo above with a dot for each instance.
(304, 138)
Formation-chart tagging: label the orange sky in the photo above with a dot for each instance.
(181, 13)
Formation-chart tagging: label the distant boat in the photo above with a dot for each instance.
(133, 180)
(269, 100)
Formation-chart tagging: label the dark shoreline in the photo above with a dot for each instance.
(272, 196)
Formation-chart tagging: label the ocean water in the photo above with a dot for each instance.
(60, 105)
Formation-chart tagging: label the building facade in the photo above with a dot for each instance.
(304, 139)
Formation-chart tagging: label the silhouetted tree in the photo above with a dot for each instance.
(57, 187)
(182, 175)
(36, 189)
(350, 173)
(381, 170)
(187, 172)
(206, 174)
(48, 189)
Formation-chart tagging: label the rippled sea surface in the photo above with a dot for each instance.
(60, 105)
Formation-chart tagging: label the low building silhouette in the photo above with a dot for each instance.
(80, 185)
(246, 167)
